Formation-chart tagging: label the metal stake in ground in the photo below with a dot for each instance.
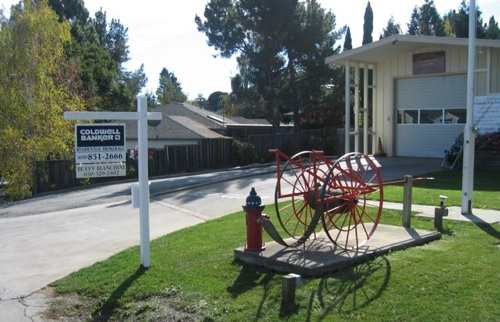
(141, 116)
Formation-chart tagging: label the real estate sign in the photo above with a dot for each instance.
(100, 150)
(487, 113)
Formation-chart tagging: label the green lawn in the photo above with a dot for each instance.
(449, 183)
(453, 279)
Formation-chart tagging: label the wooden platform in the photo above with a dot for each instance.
(319, 257)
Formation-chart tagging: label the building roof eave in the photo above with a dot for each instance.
(354, 54)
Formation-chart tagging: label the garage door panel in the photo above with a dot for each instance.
(426, 140)
(431, 92)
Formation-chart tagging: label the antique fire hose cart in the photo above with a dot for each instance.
(342, 197)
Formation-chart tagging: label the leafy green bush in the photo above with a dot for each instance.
(489, 142)
(243, 153)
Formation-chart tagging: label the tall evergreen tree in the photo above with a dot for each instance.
(458, 22)
(426, 20)
(414, 24)
(493, 31)
(169, 89)
(392, 28)
(348, 40)
(368, 25)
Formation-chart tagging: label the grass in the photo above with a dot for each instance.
(449, 183)
(193, 276)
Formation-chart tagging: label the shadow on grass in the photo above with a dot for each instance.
(249, 278)
(483, 225)
(106, 310)
(351, 289)
(343, 292)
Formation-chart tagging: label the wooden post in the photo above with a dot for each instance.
(289, 284)
(407, 201)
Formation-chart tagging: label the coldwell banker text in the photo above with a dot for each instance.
(106, 134)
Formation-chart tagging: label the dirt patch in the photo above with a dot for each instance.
(162, 307)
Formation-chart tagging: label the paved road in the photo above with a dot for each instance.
(120, 192)
(43, 247)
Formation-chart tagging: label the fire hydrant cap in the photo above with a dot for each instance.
(253, 200)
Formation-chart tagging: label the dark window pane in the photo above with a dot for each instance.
(455, 116)
(429, 63)
(431, 116)
(408, 117)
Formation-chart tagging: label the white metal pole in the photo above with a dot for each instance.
(142, 125)
(356, 108)
(365, 110)
(374, 109)
(468, 157)
(347, 125)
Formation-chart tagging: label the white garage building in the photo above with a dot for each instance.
(413, 89)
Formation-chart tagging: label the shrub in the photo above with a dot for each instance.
(243, 153)
(489, 142)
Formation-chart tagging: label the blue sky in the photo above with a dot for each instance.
(162, 33)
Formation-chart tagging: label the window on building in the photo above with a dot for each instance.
(431, 116)
(408, 117)
(429, 63)
(455, 116)
(436, 116)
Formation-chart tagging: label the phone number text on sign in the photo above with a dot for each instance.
(97, 157)
(100, 170)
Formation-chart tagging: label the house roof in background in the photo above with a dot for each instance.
(196, 127)
(178, 123)
(410, 41)
(222, 121)
(192, 112)
(166, 129)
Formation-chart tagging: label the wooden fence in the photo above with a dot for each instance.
(290, 143)
(209, 154)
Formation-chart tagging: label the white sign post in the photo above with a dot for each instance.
(469, 137)
(141, 116)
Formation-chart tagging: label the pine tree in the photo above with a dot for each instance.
(457, 22)
(392, 28)
(414, 25)
(493, 31)
(348, 40)
(368, 25)
(169, 89)
(426, 21)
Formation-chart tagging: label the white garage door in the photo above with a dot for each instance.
(430, 114)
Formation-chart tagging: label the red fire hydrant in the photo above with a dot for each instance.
(253, 210)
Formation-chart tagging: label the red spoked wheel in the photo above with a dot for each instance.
(297, 193)
(347, 218)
